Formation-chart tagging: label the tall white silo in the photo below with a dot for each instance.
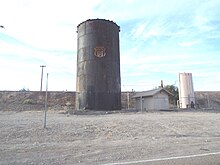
(186, 91)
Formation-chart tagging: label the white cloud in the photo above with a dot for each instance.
(47, 24)
(188, 43)
(138, 31)
(142, 32)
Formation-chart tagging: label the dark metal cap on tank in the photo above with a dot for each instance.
(98, 19)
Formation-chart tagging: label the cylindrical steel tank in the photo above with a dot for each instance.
(186, 91)
(98, 66)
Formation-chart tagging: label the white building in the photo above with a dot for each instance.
(186, 91)
(156, 99)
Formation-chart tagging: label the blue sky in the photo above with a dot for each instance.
(158, 40)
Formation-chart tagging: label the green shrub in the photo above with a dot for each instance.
(28, 101)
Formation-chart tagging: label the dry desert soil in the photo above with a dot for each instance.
(105, 138)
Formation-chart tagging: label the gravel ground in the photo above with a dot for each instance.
(107, 138)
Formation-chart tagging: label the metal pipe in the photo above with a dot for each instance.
(42, 66)
(141, 104)
(45, 110)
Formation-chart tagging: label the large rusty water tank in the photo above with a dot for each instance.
(98, 85)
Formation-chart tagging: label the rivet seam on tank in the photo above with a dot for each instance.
(99, 51)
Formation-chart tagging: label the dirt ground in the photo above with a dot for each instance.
(107, 138)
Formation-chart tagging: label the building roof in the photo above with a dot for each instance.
(150, 93)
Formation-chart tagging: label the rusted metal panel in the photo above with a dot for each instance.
(98, 66)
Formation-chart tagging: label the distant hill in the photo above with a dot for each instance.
(58, 100)
(208, 99)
